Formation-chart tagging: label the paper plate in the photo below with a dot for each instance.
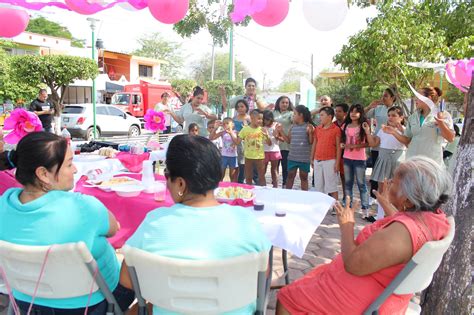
(88, 158)
(221, 198)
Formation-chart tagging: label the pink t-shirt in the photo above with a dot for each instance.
(352, 137)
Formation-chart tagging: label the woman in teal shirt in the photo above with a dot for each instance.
(44, 212)
(197, 227)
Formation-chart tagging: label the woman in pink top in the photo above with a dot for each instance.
(366, 265)
(354, 142)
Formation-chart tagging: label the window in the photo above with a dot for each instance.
(101, 110)
(73, 110)
(145, 71)
(115, 112)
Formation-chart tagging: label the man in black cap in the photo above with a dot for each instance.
(41, 107)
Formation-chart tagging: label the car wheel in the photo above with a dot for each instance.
(134, 131)
(90, 134)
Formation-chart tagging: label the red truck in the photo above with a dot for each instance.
(136, 99)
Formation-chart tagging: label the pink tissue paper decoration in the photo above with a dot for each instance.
(21, 122)
(459, 73)
(13, 22)
(154, 121)
(243, 8)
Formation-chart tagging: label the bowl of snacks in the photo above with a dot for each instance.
(226, 194)
(128, 190)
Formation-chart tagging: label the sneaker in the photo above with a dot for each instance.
(371, 201)
(370, 219)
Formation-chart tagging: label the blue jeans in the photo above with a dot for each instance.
(356, 168)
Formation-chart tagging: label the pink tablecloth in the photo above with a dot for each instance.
(7, 180)
(130, 212)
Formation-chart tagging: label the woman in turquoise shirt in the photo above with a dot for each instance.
(197, 227)
(44, 212)
(427, 128)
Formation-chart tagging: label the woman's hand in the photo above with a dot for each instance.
(374, 104)
(389, 129)
(346, 214)
(440, 119)
(382, 195)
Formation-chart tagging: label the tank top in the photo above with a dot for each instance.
(300, 148)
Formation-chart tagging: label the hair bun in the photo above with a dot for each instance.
(438, 91)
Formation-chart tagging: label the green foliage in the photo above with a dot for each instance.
(455, 96)
(12, 90)
(202, 68)
(55, 71)
(40, 25)
(291, 80)
(231, 88)
(341, 91)
(406, 31)
(207, 15)
(183, 87)
(155, 46)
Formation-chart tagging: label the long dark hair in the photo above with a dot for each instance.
(37, 149)
(362, 119)
(303, 110)
(278, 101)
(195, 159)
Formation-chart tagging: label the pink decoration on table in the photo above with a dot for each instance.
(13, 22)
(459, 73)
(168, 11)
(21, 122)
(133, 162)
(8, 180)
(273, 14)
(154, 121)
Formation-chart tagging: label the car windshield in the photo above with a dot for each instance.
(73, 110)
(121, 99)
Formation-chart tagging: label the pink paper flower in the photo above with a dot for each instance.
(21, 122)
(154, 121)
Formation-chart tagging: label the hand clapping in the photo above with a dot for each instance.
(346, 214)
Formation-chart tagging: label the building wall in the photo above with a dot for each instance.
(55, 43)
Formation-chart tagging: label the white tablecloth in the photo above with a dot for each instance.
(111, 166)
(304, 213)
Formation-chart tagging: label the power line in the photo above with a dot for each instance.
(273, 50)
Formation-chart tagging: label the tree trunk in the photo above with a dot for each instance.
(450, 291)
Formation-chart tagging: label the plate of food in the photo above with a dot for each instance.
(107, 185)
(231, 193)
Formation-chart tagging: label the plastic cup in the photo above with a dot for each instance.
(159, 191)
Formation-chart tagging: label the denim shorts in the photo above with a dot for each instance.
(229, 161)
(305, 167)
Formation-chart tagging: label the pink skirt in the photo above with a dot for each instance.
(272, 156)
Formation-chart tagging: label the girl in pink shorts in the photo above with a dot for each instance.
(272, 152)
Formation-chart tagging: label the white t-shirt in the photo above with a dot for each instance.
(229, 148)
(388, 141)
(275, 143)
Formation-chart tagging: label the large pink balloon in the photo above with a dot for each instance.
(168, 11)
(273, 14)
(84, 7)
(13, 22)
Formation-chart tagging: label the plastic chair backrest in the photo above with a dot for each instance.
(197, 286)
(427, 260)
(65, 275)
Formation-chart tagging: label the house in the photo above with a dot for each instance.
(28, 43)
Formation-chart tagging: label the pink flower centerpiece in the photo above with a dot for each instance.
(154, 121)
(21, 122)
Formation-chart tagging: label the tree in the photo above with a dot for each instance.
(17, 92)
(183, 87)
(404, 31)
(55, 71)
(201, 69)
(231, 88)
(450, 291)
(290, 81)
(40, 25)
(155, 46)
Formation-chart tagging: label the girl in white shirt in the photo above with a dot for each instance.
(391, 151)
(272, 152)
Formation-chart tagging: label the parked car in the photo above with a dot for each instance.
(110, 121)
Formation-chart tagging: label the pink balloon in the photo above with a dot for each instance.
(257, 6)
(13, 22)
(273, 14)
(84, 7)
(462, 76)
(168, 11)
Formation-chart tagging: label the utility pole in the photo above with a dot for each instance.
(93, 26)
(312, 69)
(231, 54)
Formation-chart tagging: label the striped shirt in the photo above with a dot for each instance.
(300, 148)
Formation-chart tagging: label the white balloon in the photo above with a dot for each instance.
(325, 15)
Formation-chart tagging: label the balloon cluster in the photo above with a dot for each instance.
(459, 73)
(264, 12)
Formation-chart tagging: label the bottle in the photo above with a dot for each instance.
(94, 175)
(148, 178)
(65, 134)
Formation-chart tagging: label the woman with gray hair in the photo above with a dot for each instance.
(368, 263)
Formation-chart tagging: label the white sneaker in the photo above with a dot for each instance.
(371, 201)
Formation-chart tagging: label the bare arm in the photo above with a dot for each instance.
(114, 226)
(338, 154)
(215, 135)
(177, 118)
(310, 131)
(444, 130)
(393, 131)
(234, 137)
(125, 276)
(223, 98)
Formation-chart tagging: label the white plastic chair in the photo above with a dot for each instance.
(417, 273)
(68, 272)
(198, 286)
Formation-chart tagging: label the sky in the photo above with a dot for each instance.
(266, 52)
